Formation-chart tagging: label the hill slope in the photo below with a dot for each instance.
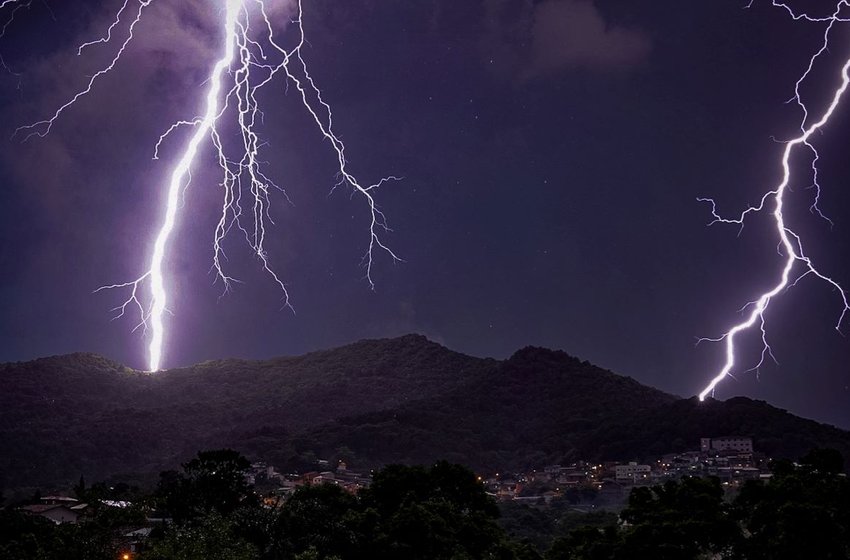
(405, 399)
(543, 407)
(67, 415)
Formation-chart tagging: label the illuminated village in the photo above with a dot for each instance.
(583, 484)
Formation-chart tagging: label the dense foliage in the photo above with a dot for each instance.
(803, 512)
(405, 400)
(64, 416)
(442, 513)
(544, 407)
(416, 513)
(541, 525)
(30, 537)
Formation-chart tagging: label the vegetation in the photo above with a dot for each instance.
(442, 513)
(803, 512)
(405, 400)
(30, 537)
(64, 416)
(541, 525)
(417, 513)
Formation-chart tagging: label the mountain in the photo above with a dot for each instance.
(542, 407)
(373, 402)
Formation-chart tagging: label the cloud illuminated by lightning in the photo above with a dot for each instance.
(796, 264)
(252, 57)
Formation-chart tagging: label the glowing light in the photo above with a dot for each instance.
(790, 243)
(178, 177)
(252, 57)
(15, 5)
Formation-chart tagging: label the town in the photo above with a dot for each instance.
(731, 459)
(583, 484)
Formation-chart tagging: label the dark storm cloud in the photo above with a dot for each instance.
(571, 33)
(536, 40)
(172, 39)
(159, 77)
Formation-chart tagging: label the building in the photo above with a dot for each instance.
(57, 513)
(632, 472)
(58, 509)
(325, 477)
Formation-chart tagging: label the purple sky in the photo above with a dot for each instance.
(552, 154)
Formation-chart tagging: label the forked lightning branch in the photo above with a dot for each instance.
(796, 265)
(251, 58)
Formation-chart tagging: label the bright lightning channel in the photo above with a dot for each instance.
(251, 60)
(14, 6)
(790, 243)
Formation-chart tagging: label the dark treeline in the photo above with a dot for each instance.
(442, 513)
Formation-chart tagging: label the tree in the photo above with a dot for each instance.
(823, 461)
(317, 520)
(803, 512)
(679, 520)
(213, 481)
(586, 543)
(217, 478)
(23, 537)
(28, 537)
(212, 538)
(175, 497)
(433, 513)
(415, 513)
(80, 488)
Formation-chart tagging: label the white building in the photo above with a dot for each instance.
(632, 472)
(57, 513)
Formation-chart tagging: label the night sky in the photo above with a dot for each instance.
(552, 153)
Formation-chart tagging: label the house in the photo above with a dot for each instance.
(307, 478)
(324, 477)
(134, 541)
(57, 513)
(632, 472)
(59, 509)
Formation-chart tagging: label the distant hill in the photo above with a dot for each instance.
(542, 407)
(373, 402)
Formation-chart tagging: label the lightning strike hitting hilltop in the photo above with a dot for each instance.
(796, 264)
(251, 58)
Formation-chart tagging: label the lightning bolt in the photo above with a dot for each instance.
(14, 6)
(252, 57)
(796, 264)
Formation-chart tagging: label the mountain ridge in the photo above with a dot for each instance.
(372, 402)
